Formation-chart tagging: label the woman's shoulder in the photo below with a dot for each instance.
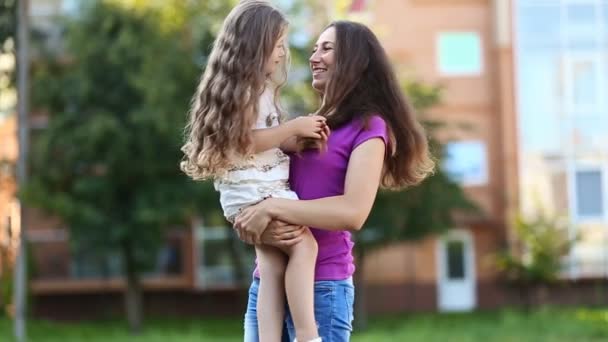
(368, 127)
(374, 122)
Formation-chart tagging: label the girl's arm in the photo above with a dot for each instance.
(290, 145)
(293, 144)
(303, 126)
(348, 211)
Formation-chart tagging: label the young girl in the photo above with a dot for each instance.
(235, 137)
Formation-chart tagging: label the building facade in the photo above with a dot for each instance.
(523, 96)
(464, 46)
(562, 87)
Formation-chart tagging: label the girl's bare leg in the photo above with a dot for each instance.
(299, 286)
(271, 296)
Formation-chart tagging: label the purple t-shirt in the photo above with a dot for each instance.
(315, 174)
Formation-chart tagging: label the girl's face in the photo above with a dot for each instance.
(322, 60)
(277, 56)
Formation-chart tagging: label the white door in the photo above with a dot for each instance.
(456, 266)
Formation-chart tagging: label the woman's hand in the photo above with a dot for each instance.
(252, 221)
(282, 234)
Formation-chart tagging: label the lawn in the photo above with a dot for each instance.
(576, 325)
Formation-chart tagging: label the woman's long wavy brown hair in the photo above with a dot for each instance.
(363, 83)
(225, 106)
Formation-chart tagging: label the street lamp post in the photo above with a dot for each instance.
(22, 108)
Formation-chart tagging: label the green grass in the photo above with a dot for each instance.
(576, 325)
(563, 325)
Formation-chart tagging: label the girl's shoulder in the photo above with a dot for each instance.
(268, 114)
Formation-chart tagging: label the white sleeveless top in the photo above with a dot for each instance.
(260, 176)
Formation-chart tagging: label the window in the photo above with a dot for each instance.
(583, 83)
(70, 7)
(589, 193)
(218, 255)
(604, 16)
(538, 24)
(581, 16)
(466, 162)
(41, 9)
(455, 259)
(87, 262)
(581, 25)
(168, 260)
(459, 54)
(584, 79)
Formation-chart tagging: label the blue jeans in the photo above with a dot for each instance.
(334, 301)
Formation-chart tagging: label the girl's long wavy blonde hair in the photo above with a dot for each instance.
(225, 106)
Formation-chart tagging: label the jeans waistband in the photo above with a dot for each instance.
(347, 281)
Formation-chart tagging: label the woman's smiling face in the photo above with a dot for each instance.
(322, 60)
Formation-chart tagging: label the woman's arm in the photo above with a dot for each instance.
(348, 211)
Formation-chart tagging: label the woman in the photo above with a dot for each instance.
(375, 141)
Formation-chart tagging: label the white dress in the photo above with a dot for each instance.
(260, 176)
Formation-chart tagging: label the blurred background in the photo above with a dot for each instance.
(507, 241)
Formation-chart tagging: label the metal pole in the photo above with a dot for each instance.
(22, 108)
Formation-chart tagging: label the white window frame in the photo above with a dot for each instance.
(447, 73)
(572, 270)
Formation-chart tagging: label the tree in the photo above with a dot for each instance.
(417, 212)
(8, 27)
(8, 23)
(117, 97)
(543, 241)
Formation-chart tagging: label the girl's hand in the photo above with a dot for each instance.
(309, 126)
(325, 133)
(316, 144)
(251, 223)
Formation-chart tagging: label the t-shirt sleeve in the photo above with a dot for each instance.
(376, 128)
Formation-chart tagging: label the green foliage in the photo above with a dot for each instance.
(544, 241)
(117, 96)
(8, 27)
(8, 20)
(107, 163)
(6, 280)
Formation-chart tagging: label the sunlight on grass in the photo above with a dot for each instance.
(596, 316)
